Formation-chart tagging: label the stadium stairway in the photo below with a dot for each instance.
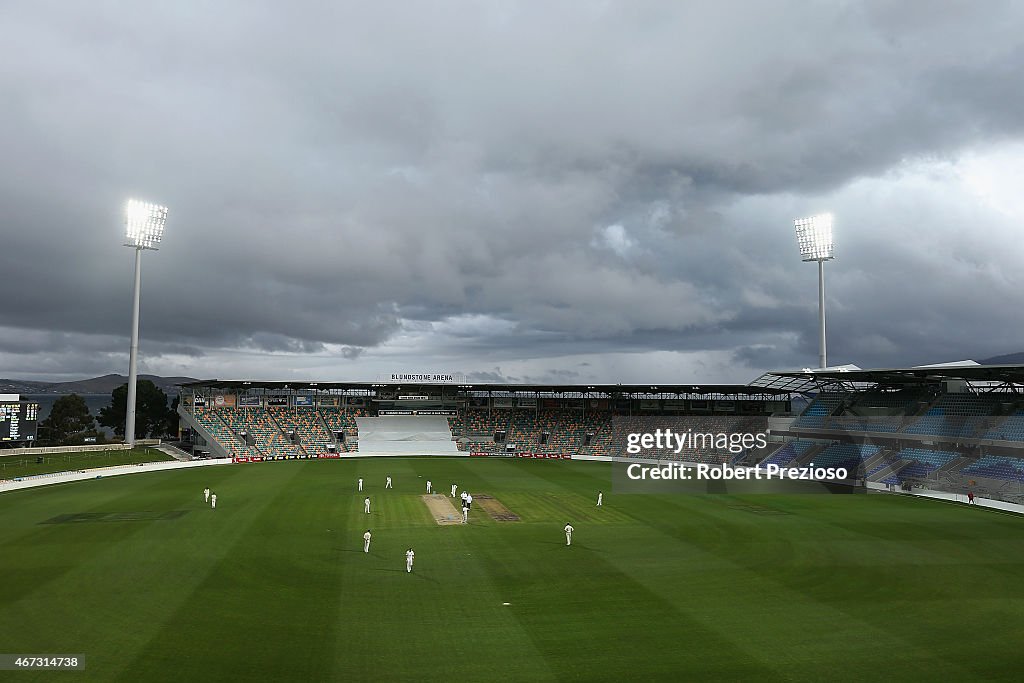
(807, 457)
(882, 457)
(327, 428)
(216, 447)
(173, 451)
(955, 465)
(890, 470)
(300, 446)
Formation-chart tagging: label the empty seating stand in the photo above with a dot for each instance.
(823, 405)
(955, 416)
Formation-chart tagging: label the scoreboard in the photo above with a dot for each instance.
(19, 421)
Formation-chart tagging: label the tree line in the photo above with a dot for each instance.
(70, 423)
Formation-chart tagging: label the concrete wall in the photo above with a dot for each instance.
(101, 472)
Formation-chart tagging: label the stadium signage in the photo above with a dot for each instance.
(421, 377)
(444, 413)
(413, 398)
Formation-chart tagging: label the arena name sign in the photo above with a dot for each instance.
(413, 377)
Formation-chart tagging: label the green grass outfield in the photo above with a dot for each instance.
(273, 585)
(14, 466)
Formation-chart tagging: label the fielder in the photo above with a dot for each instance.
(455, 487)
(465, 515)
(463, 496)
(429, 486)
(388, 485)
(568, 534)
(366, 505)
(213, 501)
(206, 495)
(469, 500)
(360, 483)
(600, 498)
(366, 541)
(409, 555)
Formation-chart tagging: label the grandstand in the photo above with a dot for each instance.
(951, 426)
(298, 420)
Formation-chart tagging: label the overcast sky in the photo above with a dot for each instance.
(533, 191)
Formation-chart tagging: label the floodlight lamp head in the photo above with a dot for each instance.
(144, 224)
(814, 237)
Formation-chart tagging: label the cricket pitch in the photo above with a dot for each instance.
(442, 509)
(496, 509)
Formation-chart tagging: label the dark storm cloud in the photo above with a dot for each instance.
(495, 376)
(340, 175)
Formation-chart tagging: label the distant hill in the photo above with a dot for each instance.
(96, 385)
(1007, 359)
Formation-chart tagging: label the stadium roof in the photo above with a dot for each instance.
(608, 389)
(810, 380)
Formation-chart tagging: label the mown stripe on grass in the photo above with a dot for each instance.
(273, 548)
(586, 615)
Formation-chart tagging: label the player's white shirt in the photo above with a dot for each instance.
(464, 494)
(213, 500)
(568, 529)
(366, 537)
(469, 497)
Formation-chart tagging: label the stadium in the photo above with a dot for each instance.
(134, 571)
(479, 347)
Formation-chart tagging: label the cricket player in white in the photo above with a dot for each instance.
(213, 501)
(388, 485)
(465, 515)
(360, 483)
(366, 541)
(366, 505)
(469, 499)
(409, 555)
(463, 496)
(600, 498)
(429, 486)
(455, 487)
(206, 495)
(568, 534)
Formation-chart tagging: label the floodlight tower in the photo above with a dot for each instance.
(814, 237)
(144, 228)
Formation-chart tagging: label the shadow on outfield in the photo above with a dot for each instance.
(555, 545)
(413, 573)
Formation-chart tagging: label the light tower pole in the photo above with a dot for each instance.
(144, 228)
(814, 238)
